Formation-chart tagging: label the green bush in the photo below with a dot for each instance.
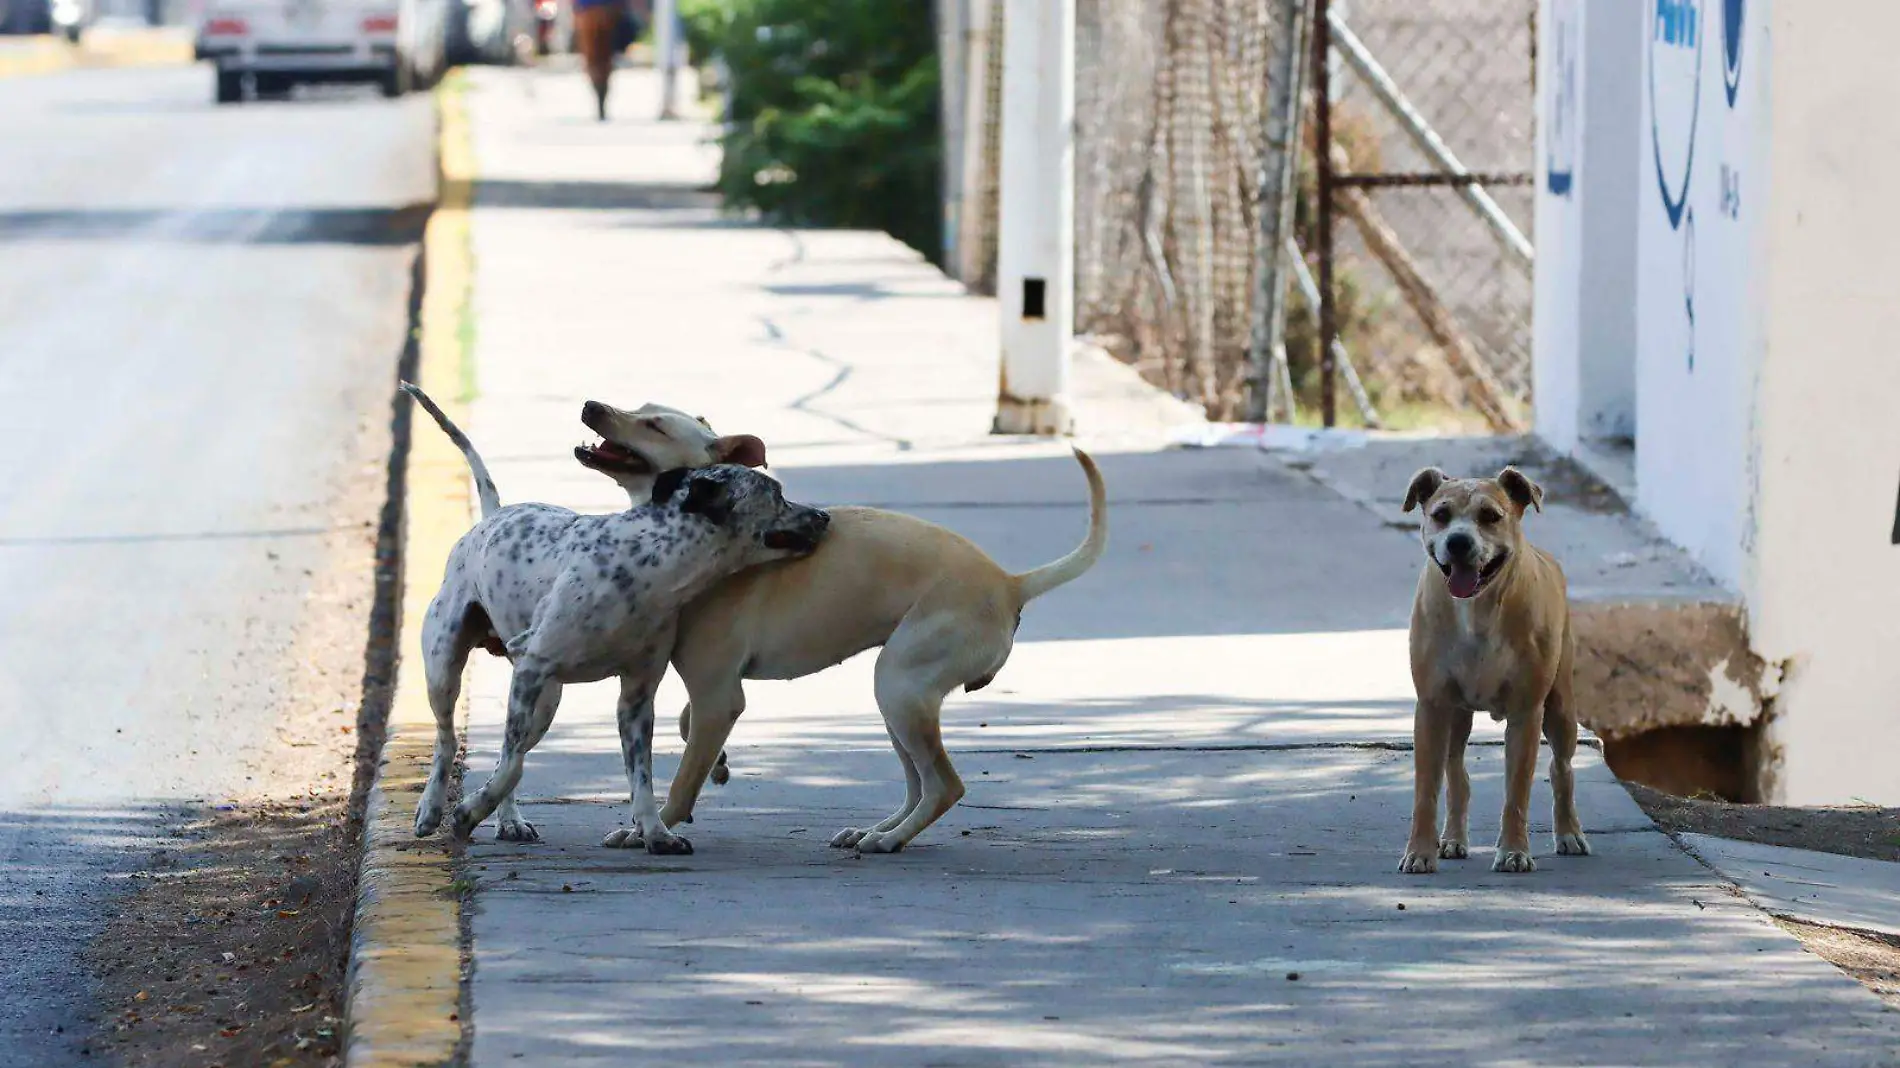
(833, 112)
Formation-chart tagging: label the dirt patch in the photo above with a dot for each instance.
(1852, 830)
(237, 957)
(1872, 959)
(233, 949)
(1855, 831)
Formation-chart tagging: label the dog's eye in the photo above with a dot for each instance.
(1442, 516)
(1488, 517)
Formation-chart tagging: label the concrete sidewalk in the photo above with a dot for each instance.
(1188, 791)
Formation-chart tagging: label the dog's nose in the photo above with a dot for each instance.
(820, 518)
(1459, 545)
(592, 410)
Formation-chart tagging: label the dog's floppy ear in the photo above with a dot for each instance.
(1424, 484)
(709, 497)
(668, 483)
(1523, 492)
(742, 449)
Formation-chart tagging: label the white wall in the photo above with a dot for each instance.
(1766, 295)
(1556, 299)
(1589, 66)
(1699, 277)
(1607, 327)
(1827, 576)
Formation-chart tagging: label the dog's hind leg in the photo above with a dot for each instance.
(1560, 730)
(447, 636)
(510, 824)
(913, 795)
(1455, 843)
(948, 640)
(913, 719)
(528, 718)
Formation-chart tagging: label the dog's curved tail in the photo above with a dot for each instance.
(1033, 584)
(484, 485)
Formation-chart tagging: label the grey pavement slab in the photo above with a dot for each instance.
(1189, 785)
(1131, 908)
(1801, 884)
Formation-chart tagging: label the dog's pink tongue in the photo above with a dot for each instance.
(1463, 581)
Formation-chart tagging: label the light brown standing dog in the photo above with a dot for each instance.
(1490, 632)
(944, 613)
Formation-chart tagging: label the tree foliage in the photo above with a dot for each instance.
(832, 112)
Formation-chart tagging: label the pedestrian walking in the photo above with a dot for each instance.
(601, 31)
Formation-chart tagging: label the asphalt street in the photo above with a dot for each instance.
(198, 307)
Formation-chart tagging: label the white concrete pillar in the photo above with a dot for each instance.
(1035, 283)
(953, 67)
(1590, 178)
(666, 54)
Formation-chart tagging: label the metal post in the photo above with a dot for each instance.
(1279, 187)
(953, 67)
(973, 263)
(1323, 139)
(1036, 257)
(666, 53)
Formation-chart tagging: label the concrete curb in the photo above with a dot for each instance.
(405, 980)
(127, 48)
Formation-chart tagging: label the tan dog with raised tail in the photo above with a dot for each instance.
(944, 613)
(1490, 632)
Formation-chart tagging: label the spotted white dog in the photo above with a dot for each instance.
(581, 598)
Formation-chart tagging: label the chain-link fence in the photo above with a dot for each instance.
(1173, 105)
(1433, 109)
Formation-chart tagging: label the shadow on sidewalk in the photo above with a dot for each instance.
(606, 196)
(384, 227)
(1200, 542)
(1148, 907)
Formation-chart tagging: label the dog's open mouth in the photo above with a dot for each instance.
(613, 458)
(1465, 581)
(790, 541)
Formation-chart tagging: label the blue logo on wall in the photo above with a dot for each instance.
(1560, 128)
(1732, 11)
(1675, 98)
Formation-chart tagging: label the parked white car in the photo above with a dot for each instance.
(395, 44)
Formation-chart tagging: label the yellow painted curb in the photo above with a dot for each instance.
(404, 998)
(119, 48)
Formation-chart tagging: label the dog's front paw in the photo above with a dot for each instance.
(1515, 861)
(1573, 845)
(428, 818)
(1419, 862)
(1452, 849)
(516, 830)
(721, 774)
(848, 838)
(669, 845)
(880, 842)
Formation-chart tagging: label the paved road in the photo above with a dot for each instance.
(198, 308)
